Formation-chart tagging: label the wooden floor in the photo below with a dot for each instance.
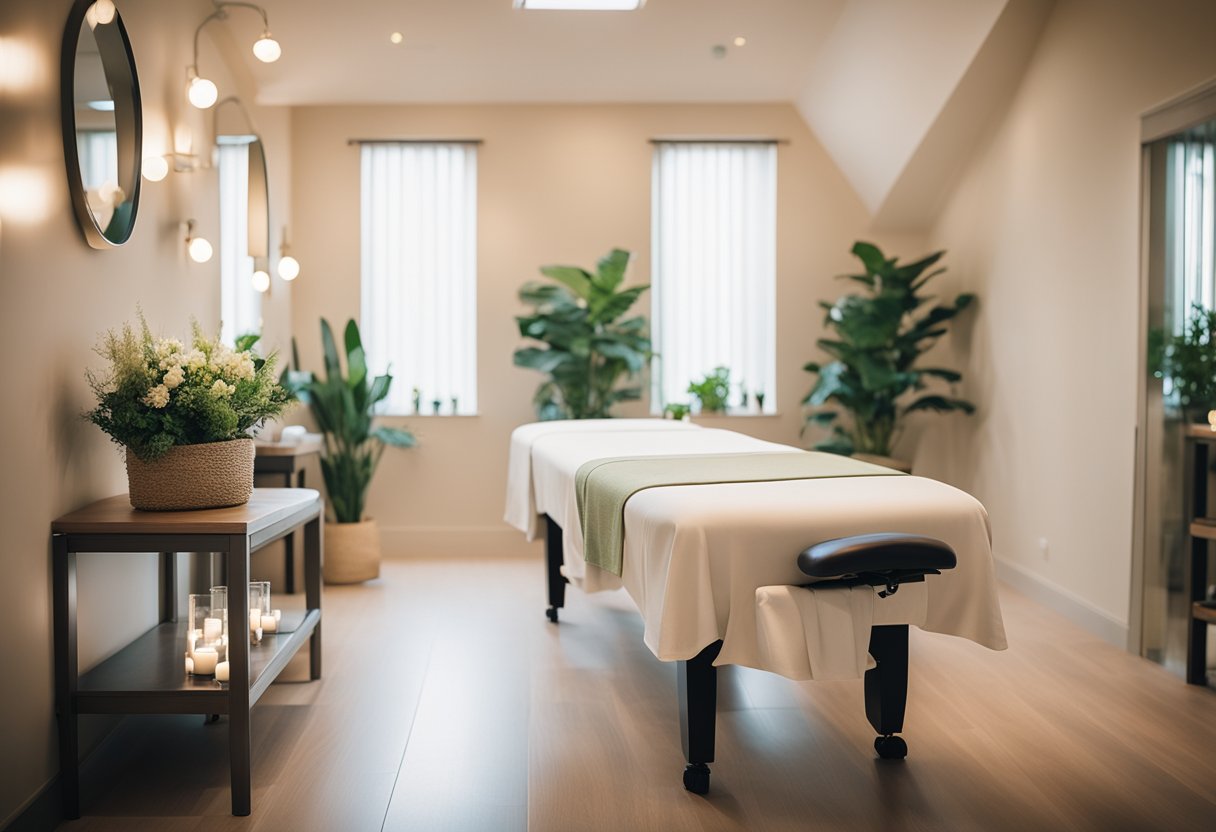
(450, 703)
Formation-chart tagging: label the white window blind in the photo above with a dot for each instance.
(714, 239)
(419, 272)
(240, 303)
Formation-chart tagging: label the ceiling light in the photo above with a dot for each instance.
(155, 168)
(266, 49)
(261, 281)
(396, 37)
(201, 92)
(580, 5)
(740, 41)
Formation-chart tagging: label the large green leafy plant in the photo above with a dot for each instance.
(877, 337)
(1188, 360)
(588, 348)
(158, 393)
(343, 405)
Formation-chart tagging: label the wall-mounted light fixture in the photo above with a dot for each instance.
(261, 277)
(289, 267)
(197, 247)
(156, 168)
(201, 91)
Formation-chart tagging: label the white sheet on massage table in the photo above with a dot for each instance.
(695, 555)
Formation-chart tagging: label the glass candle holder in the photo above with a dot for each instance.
(205, 645)
(219, 610)
(267, 615)
(257, 600)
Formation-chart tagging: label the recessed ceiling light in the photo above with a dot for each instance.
(581, 5)
(740, 41)
(396, 37)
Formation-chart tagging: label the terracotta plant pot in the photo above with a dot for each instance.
(211, 475)
(352, 552)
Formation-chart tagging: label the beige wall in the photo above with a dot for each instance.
(557, 184)
(1045, 227)
(56, 296)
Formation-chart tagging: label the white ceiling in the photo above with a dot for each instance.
(338, 51)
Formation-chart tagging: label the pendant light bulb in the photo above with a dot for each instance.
(155, 168)
(200, 249)
(202, 92)
(266, 49)
(289, 267)
(261, 281)
(103, 11)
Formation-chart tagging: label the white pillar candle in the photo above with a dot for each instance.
(205, 659)
(270, 624)
(213, 628)
(255, 618)
(189, 666)
(221, 672)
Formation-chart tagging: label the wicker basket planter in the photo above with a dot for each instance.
(212, 475)
(352, 552)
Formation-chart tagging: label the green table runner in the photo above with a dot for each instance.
(603, 486)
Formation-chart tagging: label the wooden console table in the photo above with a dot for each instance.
(147, 676)
(1202, 528)
(286, 461)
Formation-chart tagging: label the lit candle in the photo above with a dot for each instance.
(212, 628)
(189, 666)
(221, 672)
(205, 659)
(270, 624)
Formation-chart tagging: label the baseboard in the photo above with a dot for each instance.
(1067, 603)
(456, 541)
(41, 813)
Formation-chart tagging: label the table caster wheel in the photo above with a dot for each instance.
(891, 747)
(696, 778)
(551, 614)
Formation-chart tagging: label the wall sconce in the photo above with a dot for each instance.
(203, 92)
(156, 168)
(197, 247)
(261, 276)
(289, 267)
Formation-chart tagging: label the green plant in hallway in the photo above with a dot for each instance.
(343, 404)
(1187, 360)
(713, 391)
(877, 338)
(589, 346)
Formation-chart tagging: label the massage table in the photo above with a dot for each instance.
(814, 578)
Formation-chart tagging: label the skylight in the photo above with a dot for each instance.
(580, 5)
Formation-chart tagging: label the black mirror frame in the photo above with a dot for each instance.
(128, 120)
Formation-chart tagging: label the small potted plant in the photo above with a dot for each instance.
(183, 415)
(713, 391)
(676, 412)
(343, 405)
(1188, 361)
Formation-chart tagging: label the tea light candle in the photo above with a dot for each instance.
(270, 623)
(221, 672)
(205, 660)
(213, 628)
(189, 666)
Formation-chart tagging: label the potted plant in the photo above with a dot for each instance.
(879, 335)
(588, 348)
(1188, 360)
(343, 405)
(713, 391)
(183, 415)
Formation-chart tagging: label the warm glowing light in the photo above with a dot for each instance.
(200, 249)
(202, 93)
(740, 41)
(396, 37)
(261, 281)
(289, 268)
(26, 195)
(103, 11)
(20, 65)
(266, 49)
(155, 168)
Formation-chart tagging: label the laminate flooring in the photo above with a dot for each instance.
(450, 703)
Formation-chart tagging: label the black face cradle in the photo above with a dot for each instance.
(887, 559)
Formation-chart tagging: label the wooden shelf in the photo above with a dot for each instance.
(1201, 612)
(148, 676)
(1201, 432)
(1204, 527)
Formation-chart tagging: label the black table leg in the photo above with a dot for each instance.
(886, 688)
(238, 667)
(553, 566)
(289, 549)
(698, 680)
(168, 587)
(314, 556)
(64, 579)
(1197, 578)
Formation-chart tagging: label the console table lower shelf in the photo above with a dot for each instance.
(148, 675)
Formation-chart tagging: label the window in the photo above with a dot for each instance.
(419, 270)
(714, 207)
(240, 303)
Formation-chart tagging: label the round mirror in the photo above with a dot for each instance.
(259, 203)
(102, 122)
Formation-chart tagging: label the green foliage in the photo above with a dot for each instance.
(157, 394)
(676, 411)
(713, 390)
(878, 336)
(588, 348)
(1188, 360)
(343, 405)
